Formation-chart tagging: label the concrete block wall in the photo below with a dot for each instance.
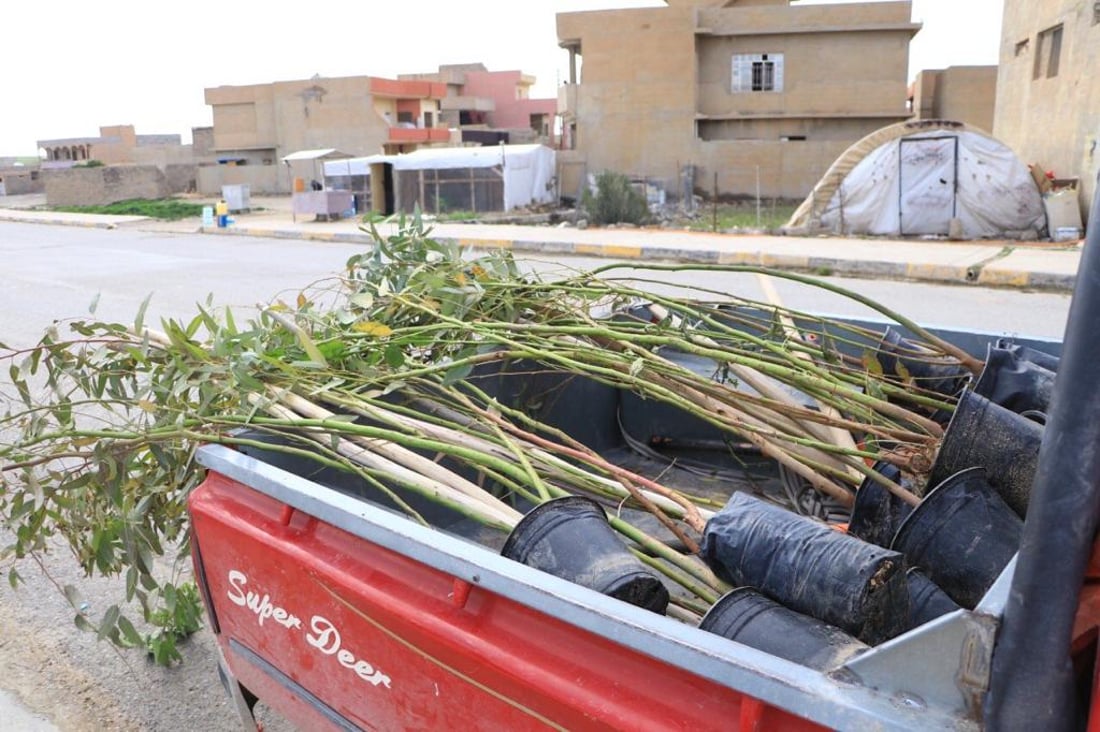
(17, 184)
(101, 186)
(181, 177)
(261, 179)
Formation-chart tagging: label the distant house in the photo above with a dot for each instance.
(961, 93)
(18, 177)
(1048, 91)
(256, 126)
(116, 145)
(492, 106)
(729, 96)
(134, 166)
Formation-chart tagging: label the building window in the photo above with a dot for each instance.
(757, 72)
(1021, 46)
(1095, 13)
(1048, 50)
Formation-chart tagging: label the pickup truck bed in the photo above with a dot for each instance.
(341, 613)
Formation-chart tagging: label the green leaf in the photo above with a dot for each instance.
(72, 594)
(14, 578)
(131, 582)
(362, 300)
(332, 350)
(457, 373)
(902, 371)
(139, 319)
(871, 363)
(169, 594)
(393, 386)
(109, 621)
(129, 632)
(394, 356)
(230, 324)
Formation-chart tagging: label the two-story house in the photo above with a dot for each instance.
(729, 96)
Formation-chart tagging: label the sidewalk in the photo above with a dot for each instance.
(1039, 265)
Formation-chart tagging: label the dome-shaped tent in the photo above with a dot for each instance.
(913, 178)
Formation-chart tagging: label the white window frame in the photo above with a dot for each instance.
(756, 72)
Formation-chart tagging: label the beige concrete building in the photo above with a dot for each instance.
(116, 145)
(255, 126)
(1048, 91)
(133, 166)
(739, 91)
(960, 93)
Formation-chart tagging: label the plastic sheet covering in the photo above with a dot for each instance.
(528, 172)
(898, 181)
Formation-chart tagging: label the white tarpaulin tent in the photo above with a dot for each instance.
(354, 166)
(489, 178)
(914, 178)
(352, 174)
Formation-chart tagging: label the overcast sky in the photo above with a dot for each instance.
(71, 66)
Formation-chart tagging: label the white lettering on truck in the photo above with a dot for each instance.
(323, 635)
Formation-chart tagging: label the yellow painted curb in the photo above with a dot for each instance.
(1004, 277)
(609, 250)
(739, 258)
(784, 260)
(936, 272)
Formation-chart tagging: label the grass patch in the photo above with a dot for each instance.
(728, 216)
(166, 209)
(456, 216)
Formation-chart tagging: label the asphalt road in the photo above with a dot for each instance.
(54, 273)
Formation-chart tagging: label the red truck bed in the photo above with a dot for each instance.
(344, 615)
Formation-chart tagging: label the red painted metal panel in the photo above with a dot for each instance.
(418, 134)
(389, 643)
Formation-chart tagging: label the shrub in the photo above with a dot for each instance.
(615, 201)
(168, 209)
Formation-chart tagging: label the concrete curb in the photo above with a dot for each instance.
(85, 223)
(984, 273)
(1027, 280)
(823, 266)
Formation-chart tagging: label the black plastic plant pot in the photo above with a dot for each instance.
(961, 535)
(926, 600)
(809, 567)
(1015, 384)
(986, 435)
(746, 616)
(903, 361)
(1032, 355)
(571, 538)
(877, 512)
